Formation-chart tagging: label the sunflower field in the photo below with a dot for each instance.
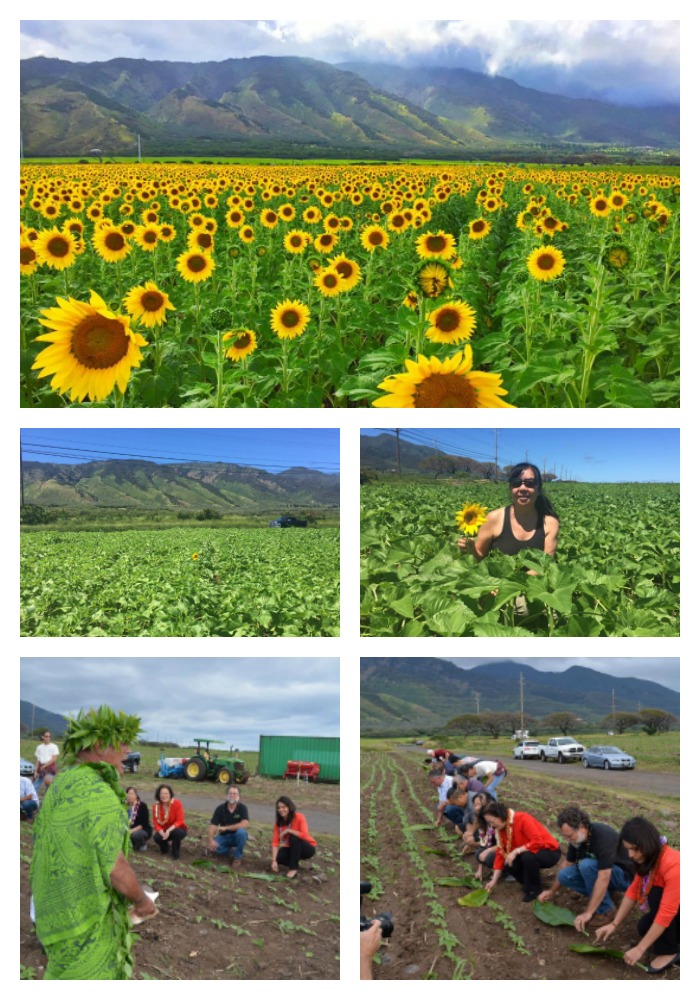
(411, 286)
(616, 571)
(180, 582)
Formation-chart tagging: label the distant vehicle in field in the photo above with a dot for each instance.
(287, 521)
(608, 757)
(204, 766)
(132, 762)
(527, 750)
(561, 749)
(26, 768)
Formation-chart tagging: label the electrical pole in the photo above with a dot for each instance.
(495, 460)
(522, 707)
(398, 450)
(613, 707)
(478, 701)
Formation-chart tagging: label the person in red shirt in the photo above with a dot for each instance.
(169, 824)
(291, 840)
(657, 889)
(524, 845)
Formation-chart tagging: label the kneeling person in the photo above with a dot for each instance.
(228, 829)
(594, 866)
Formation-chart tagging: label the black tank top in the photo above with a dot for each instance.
(507, 542)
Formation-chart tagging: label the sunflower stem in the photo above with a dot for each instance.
(590, 352)
(285, 368)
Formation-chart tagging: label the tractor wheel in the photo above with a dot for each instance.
(242, 776)
(195, 769)
(224, 776)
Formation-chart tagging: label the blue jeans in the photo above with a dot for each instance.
(583, 878)
(234, 840)
(494, 783)
(29, 807)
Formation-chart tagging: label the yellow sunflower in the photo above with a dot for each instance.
(478, 229)
(289, 319)
(147, 237)
(325, 242)
(194, 266)
(449, 384)
(55, 248)
(348, 270)
(244, 343)
(28, 262)
(433, 279)
(374, 238)
(546, 263)
(451, 323)
(111, 244)
(470, 518)
(147, 304)
(200, 239)
(91, 349)
(329, 282)
(600, 206)
(438, 244)
(296, 241)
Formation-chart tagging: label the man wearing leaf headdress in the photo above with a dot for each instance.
(81, 881)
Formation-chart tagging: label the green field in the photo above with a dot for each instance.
(181, 582)
(616, 570)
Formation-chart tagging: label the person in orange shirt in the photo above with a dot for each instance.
(524, 845)
(291, 840)
(657, 889)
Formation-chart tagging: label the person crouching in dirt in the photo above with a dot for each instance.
(460, 797)
(489, 772)
(525, 846)
(228, 827)
(595, 865)
(442, 783)
(291, 840)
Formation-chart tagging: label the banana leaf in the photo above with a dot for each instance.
(555, 916)
(261, 876)
(476, 898)
(592, 949)
(435, 850)
(422, 826)
(458, 881)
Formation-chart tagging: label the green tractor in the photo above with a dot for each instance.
(204, 766)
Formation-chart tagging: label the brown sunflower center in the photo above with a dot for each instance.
(150, 236)
(601, 204)
(550, 222)
(447, 391)
(296, 241)
(330, 280)
(290, 319)
(469, 517)
(478, 226)
(99, 342)
(376, 238)
(242, 342)
(58, 246)
(26, 255)
(115, 241)
(204, 240)
(545, 262)
(196, 264)
(436, 244)
(447, 320)
(344, 269)
(152, 301)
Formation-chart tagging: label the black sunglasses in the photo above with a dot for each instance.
(530, 483)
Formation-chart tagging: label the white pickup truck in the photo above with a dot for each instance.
(561, 749)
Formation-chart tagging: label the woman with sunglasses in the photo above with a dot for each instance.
(528, 522)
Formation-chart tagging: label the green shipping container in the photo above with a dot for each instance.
(275, 751)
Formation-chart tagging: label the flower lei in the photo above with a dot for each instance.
(648, 880)
(163, 812)
(505, 851)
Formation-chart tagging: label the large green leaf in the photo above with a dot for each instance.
(555, 916)
(476, 898)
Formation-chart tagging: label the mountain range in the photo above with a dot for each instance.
(265, 104)
(178, 486)
(378, 452)
(36, 717)
(409, 695)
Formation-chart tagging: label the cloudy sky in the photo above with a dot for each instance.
(666, 671)
(235, 700)
(635, 62)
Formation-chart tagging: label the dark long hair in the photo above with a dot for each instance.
(286, 801)
(480, 818)
(643, 836)
(543, 505)
(496, 809)
(160, 788)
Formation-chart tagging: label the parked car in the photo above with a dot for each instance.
(132, 761)
(526, 750)
(288, 522)
(26, 768)
(561, 749)
(608, 757)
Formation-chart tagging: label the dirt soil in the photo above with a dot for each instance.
(216, 922)
(414, 951)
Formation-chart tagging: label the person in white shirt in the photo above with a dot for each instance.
(46, 756)
(442, 783)
(28, 799)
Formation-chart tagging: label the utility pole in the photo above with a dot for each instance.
(522, 706)
(478, 701)
(398, 450)
(495, 460)
(613, 707)
(138, 139)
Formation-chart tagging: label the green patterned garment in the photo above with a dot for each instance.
(81, 920)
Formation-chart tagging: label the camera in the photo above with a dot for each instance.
(386, 920)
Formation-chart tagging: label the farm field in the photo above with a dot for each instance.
(180, 582)
(316, 285)
(435, 938)
(219, 923)
(616, 570)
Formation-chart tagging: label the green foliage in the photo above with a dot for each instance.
(101, 726)
(33, 514)
(555, 916)
(476, 898)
